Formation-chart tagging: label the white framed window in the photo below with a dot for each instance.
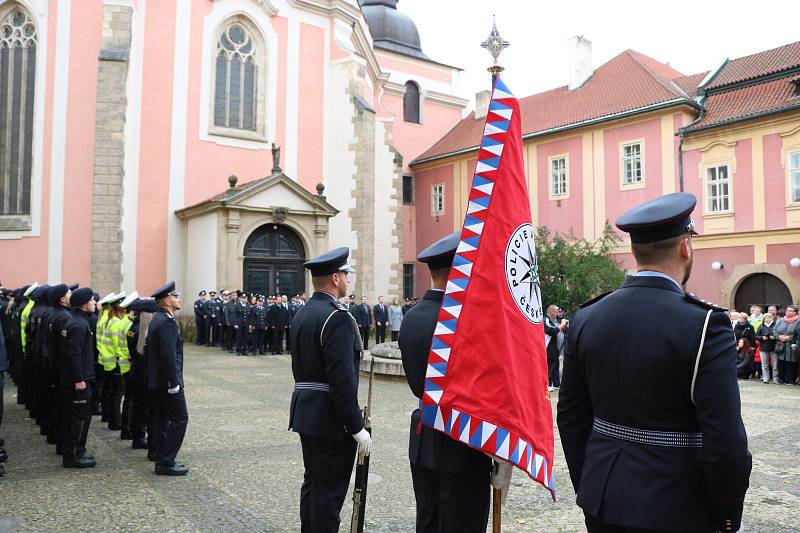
(718, 189)
(558, 176)
(437, 199)
(794, 177)
(632, 164)
(238, 81)
(18, 48)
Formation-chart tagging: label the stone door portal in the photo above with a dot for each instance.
(273, 261)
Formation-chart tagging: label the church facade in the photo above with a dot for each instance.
(219, 143)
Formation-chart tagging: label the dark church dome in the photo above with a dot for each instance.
(391, 29)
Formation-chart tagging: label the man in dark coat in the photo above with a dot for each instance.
(76, 379)
(279, 317)
(649, 411)
(200, 319)
(164, 355)
(451, 480)
(324, 409)
(242, 324)
(381, 313)
(363, 316)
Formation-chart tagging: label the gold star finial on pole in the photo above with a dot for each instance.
(495, 45)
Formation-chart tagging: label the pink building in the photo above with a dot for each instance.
(636, 128)
(124, 122)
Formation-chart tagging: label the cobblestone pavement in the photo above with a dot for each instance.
(245, 468)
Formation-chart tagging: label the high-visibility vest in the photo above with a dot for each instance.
(99, 330)
(118, 332)
(106, 356)
(23, 321)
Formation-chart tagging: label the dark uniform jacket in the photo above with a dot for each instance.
(258, 316)
(199, 308)
(279, 316)
(363, 315)
(3, 352)
(229, 312)
(649, 357)
(58, 319)
(77, 349)
(426, 446)
(325, 350)
(242, 315)
(164, 352)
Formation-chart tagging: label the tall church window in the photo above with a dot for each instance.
(18, 40)
(411, 103)
(239, 81)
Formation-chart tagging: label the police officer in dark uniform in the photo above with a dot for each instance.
(210, 317)
(58, 317)
(649, 411)
(200, 319)
(326, 349)
(76, 379)
(258, 321)
(242, 323)
(164, 355)
(229, 312)
(451, 480)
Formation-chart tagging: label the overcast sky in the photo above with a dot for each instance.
(691, 36)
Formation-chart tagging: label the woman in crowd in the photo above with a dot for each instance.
(767, 339)
(744, 359)
(787, 349)
(395, 318)
(743, 330)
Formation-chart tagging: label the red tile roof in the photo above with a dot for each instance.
(747, 102)
(758, 65)
(689, 83)
(626, 83)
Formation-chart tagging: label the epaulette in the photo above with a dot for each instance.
(596, 299)
(702, 303)
(339, 305)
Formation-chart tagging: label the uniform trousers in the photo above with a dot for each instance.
(446, 502)
(595, 525)
(200, 330)
(211, 334)
(98, 388)
(113, 391)
(277, 340)
(380, 334)
(553, 374)
(2, 386)
(138, 411)
(328, 465)
(258, 340)
(230, 337)
(364, 335)
(241, 339)
(170, 419)
(76, 416)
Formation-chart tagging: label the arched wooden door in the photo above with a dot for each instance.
(273, 261)
(762, 289)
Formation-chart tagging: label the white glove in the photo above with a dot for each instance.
(501, 478)
(364, 441)
(175, 390)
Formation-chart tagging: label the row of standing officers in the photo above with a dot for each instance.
(73, 354)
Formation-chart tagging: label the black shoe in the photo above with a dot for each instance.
(114, 427)
(59, 451)
(174, 470)
(87, 461)
(97, 410)
(139, 444)
(126, 435)
(151, 457)
(3, 455)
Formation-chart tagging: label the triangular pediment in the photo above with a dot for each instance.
(265, 194)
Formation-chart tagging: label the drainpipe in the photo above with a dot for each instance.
(701, 101)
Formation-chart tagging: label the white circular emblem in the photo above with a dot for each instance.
(522, 273)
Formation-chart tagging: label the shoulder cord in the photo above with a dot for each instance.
(700, 352)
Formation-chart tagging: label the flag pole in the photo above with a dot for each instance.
(497, 510)
(495, 44)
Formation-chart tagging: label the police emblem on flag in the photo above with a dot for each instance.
(522, 273)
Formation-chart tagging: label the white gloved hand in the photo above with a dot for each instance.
(501, 478)
(175, 390)
(364, 441)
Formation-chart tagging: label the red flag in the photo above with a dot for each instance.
(486, 382)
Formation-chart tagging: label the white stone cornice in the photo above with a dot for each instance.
(431, 96)
(266, 5)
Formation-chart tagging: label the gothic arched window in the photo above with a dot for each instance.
(239, 79)
(411, 103)
(17, 87)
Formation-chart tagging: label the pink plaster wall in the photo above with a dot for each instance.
(428, 227)
(743, 186)
(412, 139)
(409, 234)
(86, 39)
(693, 184)
(782, 254)
(154, 155)
(706, 282)
(337, 52)
(617, 201)
(209, 164)
(568, 217)
(774, 182)
(311, 108)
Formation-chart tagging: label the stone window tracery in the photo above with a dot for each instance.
(18, 45)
